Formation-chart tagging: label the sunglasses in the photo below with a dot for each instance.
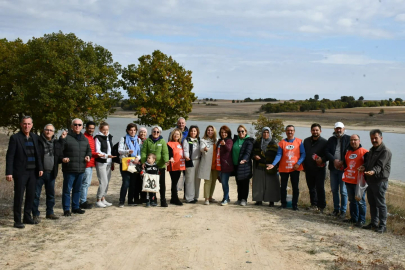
(241, 131)
(156, 131)
(49, 130)
(76, 125)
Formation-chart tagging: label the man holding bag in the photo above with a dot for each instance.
(353, 162)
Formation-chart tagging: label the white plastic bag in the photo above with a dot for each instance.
(150, 183)
(361, 186)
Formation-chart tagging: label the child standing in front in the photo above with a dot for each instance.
(150, 167)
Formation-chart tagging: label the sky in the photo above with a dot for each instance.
(238, 49)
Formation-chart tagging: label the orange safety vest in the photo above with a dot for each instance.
(354, 159)
(179, 163)
(291, 155)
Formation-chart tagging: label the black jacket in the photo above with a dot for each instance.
(267, 157)
(331, 147)
(244, 171)
(76, 150)
(58, 155)
(104, 146)
(314, 147)
(16, 157)
(379, 161)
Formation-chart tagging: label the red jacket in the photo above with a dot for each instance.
(225, 155)
(94, 155)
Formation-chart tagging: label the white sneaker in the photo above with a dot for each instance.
(106, 203)
(206, 202)
(224, 202)
(100, 204)
(243, 203)
(238, 202)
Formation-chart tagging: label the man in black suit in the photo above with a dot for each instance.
(23, 163)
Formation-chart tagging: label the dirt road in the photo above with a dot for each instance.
(194, 236)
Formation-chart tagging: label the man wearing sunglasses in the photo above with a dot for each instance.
(76, 154)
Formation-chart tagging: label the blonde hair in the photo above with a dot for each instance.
(206, 137)
(242, 126)
(172, 133)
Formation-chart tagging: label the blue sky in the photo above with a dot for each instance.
(238, 49)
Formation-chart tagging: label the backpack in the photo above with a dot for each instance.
(114, 152)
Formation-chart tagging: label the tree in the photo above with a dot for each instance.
(233, 101)
(159, 89)
(59, 77)
(276, 126)
(316, 97)
(361, 98)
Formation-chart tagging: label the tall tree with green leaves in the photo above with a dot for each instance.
(159, 90)
(276, 126)
(60, 77)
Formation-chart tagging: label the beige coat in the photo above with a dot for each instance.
(204, 170)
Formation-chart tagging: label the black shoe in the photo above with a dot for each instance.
(52, 216)
(86, 205)
(163, 203)
(19, 225)
(37, 219)
(381, 229)
(29, 220)
(193, 201)
(67, 213)
(359, 224)
(295, 208)
(342, 215)
(259, 203)
(78, 211)
(283, 206)
(370, 226)
(176, 201)
(271, 204)
(335, 213)
(350, 221)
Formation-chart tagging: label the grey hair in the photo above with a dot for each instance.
(26, 117)
(49, 125)
(159, 128)
(77, 119)
(376, 131)
(181, 118)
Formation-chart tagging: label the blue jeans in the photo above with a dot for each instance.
(49, 182)
(86, 182)
(225, 184)
(71, 181)
(357, 209)
(336, 183)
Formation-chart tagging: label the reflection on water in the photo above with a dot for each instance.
(393, 141)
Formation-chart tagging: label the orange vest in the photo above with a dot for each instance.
(291, 155)
(354, 159)
(179, 163)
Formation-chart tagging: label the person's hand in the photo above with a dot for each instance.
(269, 166)
(167, 163)
(296, 166)
(361, 169)
(187, 159)
(206, 149)
(100, 155)
(143, 166)
(87, 159)
(338, 164)
(41, 173)
(222, 142)
(9, 178)
(242, 162)
(369, 173)
(171, 160)
(130, 151)
(110, 156)
(64, 134)
(256, 157)
(112, 166)
(318, 160)
(65, 160)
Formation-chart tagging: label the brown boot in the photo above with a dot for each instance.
(52, 216)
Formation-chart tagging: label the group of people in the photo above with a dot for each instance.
(32, 161)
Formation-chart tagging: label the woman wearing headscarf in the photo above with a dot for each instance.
(266, 183)
(241, 157)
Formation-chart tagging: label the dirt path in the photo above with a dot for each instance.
(194, 237)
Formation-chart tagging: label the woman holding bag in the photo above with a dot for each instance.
(176, 162)
(129, 146)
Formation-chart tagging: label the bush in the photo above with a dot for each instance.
(371, 114)
(276, 126)
(323, 110)
(381, 111)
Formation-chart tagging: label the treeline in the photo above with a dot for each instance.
(259, 99)
(324, 104)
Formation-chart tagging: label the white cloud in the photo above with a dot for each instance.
(400, 17)
(346, 59)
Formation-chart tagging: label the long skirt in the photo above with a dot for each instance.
(192, 182)
(266, 187)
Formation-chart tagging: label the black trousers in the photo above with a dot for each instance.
(24, 183)
(135, 194)
(316, 187)
(175, 176)
(162, 183)
(295, 180)
(243, 189)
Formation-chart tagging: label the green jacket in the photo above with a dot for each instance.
(158, 148)
(267, 157)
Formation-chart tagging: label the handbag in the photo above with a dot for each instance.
(150, 183)
(129, 164)
(361, 186)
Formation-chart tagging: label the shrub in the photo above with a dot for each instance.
(371, 114)
(276, 126)
(381, 111)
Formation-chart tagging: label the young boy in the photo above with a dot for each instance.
(151, 168)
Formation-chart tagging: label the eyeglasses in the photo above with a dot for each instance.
(77, 125)
(156, 131)
(49, 130)
(241, 131)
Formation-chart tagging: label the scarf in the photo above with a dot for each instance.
(132, 143)
(48, 145)
(265, 142)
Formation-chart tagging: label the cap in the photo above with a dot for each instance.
(339, 125)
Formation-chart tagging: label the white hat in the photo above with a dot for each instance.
(339, 125)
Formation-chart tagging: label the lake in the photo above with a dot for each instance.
(395, 142)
